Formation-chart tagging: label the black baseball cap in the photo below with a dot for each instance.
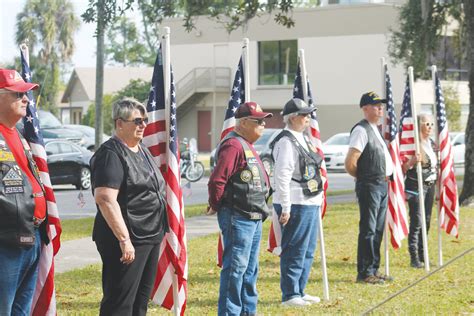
(371, 98)
(297, 106)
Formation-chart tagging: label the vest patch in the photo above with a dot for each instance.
(6, 155)
(246, 176)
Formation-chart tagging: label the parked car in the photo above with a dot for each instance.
(51, 128)
(335, 151)
(458, 142)
(262, 146)
(68, 163)
(88, 134)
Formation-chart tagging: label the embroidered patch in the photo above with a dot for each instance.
(6, 156)
(246, 176)
(13, 177)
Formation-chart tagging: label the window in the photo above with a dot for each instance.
(277, 62)
(52, 149)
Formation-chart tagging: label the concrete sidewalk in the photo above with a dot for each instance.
(79, 253)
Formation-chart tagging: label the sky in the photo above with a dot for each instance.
(85, 42)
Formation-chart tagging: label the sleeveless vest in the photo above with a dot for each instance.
(17, 205)
(371, 163)
(143, 227)
(309, 162)
(246, 191)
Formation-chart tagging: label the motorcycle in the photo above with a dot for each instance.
(191, 169)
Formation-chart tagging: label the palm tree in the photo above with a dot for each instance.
(48, 27)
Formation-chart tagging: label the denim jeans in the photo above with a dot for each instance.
(298, 243)
(18, 273)
(372, 198)
(238, 284)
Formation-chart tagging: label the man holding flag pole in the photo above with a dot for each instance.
(238, 189)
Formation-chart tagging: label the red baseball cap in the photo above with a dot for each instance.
(252, 110)
(11, 80)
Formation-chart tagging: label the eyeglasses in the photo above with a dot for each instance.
(258, 121)
(429, 124)
(19, 95)
(138, 120)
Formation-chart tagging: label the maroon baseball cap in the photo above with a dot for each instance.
(252, 110)
(11, 80)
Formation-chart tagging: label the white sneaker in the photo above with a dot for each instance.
(296, 301)
(311, 299)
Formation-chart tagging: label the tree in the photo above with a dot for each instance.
(422, 24)
(48, 27)
(89, 117)
(124, 44)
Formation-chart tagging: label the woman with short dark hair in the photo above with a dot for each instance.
(131, 219)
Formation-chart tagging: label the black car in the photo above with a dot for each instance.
(68, 163)
(262, 146)
(51, 128)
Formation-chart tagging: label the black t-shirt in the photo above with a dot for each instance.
(141, 191)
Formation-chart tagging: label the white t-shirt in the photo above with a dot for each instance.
(359, 139)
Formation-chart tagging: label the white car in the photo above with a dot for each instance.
(459, 147)
(335, 150)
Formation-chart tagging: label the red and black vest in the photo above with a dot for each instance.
(17, 205)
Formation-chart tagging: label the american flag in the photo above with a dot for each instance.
(407, 136)
(237, 97)
(44, 299)
(274, 237)
(397, 214)
(448, 195)
(172, 260)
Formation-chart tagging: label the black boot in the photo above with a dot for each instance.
(414, 260)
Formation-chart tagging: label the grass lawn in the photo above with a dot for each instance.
(450, 291)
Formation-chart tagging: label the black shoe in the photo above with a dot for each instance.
(371, 279)
(416, 264)
(386, 278)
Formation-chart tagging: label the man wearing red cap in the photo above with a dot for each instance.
(238, 188)
(22, 202)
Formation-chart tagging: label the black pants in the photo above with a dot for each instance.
(127, 288)
(415, 240)
(372, 197)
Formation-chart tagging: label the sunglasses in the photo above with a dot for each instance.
(428, 124)
(137, 121)
(304, 114)
(258, 121)
(19, 95)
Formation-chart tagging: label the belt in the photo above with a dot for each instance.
(38, 221)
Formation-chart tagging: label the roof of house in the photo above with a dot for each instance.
(114, 79)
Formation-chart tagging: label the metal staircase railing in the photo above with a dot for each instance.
(201, 80)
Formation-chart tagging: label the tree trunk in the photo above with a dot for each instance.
(99, 74)
(467, 195)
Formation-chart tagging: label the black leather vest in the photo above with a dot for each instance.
(17, 203)
(309, 162)
(143, 210)
(429, 175)
(247, 190)
(371, 163)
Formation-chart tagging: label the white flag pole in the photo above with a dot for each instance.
(246, 66)
(384, 121)
(421, 200)
(438, 183)
(304, 82)
(26, 52)
(167, 87)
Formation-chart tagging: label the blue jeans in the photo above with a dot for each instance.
(18, 273)
(372, 198)
(298, 243)
(238, 285)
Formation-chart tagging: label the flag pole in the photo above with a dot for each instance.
(167, 84)
(438, 183)
(246, 65)
(304, 83)
(421, 200)
(386, 230)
